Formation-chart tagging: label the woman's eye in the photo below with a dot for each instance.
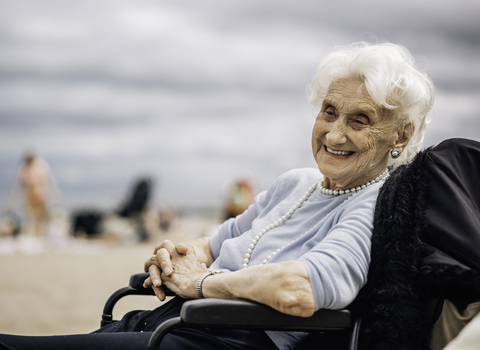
(330, 112)
(361, 120)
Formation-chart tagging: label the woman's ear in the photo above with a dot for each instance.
(404, 135)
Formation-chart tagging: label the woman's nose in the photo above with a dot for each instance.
(336, 134)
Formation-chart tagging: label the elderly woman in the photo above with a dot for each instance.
(305, 242)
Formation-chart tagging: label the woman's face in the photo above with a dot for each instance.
(352, 135)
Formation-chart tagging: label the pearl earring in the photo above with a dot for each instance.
(395, 153)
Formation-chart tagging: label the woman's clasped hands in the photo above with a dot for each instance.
(175, 266)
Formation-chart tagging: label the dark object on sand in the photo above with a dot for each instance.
(87, 222)
(138, 199)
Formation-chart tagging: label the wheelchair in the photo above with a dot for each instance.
(240, 314)
(421, 255)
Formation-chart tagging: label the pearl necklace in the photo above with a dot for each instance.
(353, 190)
(302, 200)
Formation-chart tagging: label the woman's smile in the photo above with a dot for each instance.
(344, 154)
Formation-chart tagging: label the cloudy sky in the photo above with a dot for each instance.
(194, 93)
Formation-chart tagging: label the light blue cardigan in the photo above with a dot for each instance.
(330, 235)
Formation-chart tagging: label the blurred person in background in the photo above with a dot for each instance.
(239, 196)
(166, 217)
(9, 225)
(36, 185)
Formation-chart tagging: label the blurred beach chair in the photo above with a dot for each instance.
(90, 222)
(87, 222)
(137, 200)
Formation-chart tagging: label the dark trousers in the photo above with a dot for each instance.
(134, 331)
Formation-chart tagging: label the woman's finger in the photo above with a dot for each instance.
(147, 283)
(167, 244)
(159, 293)
(181, 248)
(155, 276)
(164, 259)
(150, 262)
(157, 282)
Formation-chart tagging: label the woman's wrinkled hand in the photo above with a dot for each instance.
(161, 261)
(187, 270)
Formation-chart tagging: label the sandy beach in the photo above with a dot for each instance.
(63, 290)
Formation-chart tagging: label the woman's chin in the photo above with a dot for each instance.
(339, 181)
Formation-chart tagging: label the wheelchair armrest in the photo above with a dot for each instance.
(135, 287)
(243, 314)
(136, 281)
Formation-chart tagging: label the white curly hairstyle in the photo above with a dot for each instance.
(390, 78)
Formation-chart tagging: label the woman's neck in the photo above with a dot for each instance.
(332, 185)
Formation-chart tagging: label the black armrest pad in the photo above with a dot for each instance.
(247, 313)
(136, 281)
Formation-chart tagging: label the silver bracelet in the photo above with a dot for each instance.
(199, 283)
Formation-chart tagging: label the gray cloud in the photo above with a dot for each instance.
(194, 93)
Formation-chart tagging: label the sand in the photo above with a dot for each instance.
(63, 290)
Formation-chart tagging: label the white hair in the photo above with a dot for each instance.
(390, 78)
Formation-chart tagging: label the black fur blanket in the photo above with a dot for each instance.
(410, 264)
